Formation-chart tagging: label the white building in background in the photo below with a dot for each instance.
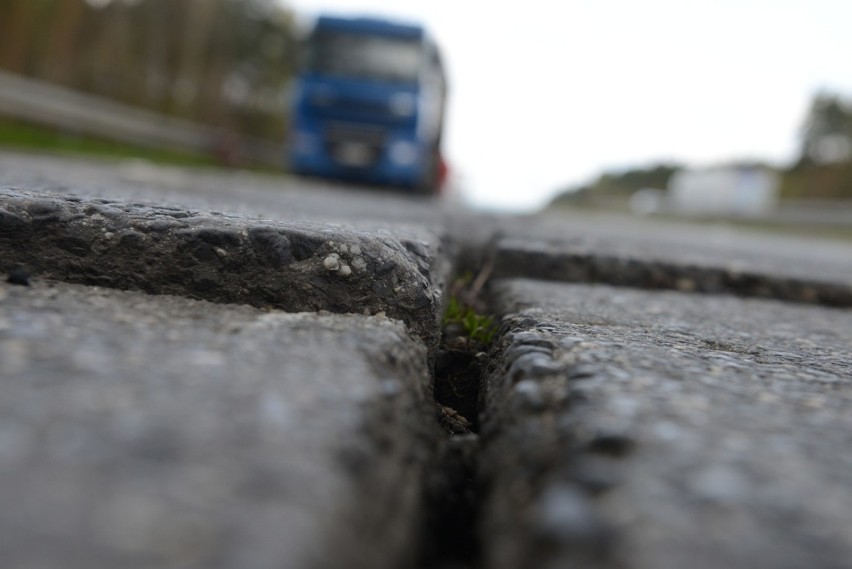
(724, 190)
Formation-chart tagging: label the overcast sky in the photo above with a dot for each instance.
(546, 94)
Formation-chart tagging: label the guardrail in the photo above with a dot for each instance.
(53, 105)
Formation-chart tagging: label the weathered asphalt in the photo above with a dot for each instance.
(662, 396)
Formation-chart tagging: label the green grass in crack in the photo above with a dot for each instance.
(477, 327)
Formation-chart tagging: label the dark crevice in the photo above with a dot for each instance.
(451, 529)
(456, 390)
(451, 536)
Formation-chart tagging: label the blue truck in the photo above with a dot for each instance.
(369, 104)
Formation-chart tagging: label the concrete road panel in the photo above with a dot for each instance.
(157, 431)
(631, 429)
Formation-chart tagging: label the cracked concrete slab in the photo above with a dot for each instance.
(631, 429)
(294, 266)
(157, 431)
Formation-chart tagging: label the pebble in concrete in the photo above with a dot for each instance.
(157, 431)
(631, 429)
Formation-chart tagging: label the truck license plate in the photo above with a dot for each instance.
(353, 154)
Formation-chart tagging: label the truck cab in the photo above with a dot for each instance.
(369, 104)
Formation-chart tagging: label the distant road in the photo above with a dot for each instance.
(814, 212)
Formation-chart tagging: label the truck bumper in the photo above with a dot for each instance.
(394, 159)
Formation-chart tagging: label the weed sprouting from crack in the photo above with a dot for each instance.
(466, 310)
(467, 333)
(476, 328)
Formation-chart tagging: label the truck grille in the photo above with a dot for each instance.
(354, 146)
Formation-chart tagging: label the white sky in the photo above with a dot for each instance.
(547, 93)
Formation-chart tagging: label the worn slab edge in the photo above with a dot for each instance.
(513, 258)
(223, 258)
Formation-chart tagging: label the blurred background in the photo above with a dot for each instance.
(726, 108)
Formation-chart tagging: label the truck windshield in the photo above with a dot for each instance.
(365, 56)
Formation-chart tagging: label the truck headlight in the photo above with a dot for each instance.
(402, 104)
(403, 153)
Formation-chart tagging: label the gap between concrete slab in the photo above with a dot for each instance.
(309, 267)
(461, 520)
(451, 536)
(518, 259)
(294, 267)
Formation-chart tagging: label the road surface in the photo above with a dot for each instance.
(222, 369)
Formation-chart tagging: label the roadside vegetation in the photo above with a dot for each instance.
(821, 171)
(17, 135)
(226, 64)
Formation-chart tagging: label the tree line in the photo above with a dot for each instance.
(822, 168)
(225, 63)
(824, 165)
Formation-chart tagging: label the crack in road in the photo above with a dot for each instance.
(239, 261)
